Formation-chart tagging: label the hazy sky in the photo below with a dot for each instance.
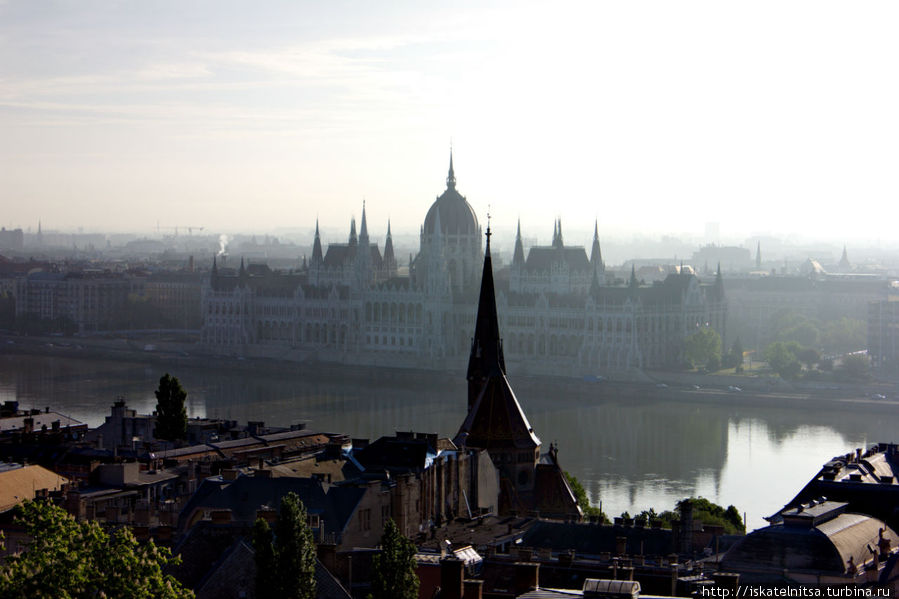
(764, 116)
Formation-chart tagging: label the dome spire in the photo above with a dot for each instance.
(451, 176)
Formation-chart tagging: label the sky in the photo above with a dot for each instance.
(653, 117)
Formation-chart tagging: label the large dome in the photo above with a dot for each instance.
(456, 215)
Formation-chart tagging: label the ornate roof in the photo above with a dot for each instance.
(457, 217)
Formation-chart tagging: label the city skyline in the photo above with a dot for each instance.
(650, 118)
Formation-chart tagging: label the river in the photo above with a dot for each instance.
(632, 449)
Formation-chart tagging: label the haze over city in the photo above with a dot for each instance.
(652, 117)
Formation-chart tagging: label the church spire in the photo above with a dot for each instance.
(389, 258)
(557, 233)
(363, 228)
(317, 247)
(353, 239)
(486, 356)
(595, 252)
(451, 176)
(518, 256)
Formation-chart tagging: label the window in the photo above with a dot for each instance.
(365, 519)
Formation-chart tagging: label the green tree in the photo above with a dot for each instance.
(580, 495)
(703, 347)
(735, 356)
(808, 356)
(295, 550)
(266, 573)
(171, 415)
(856, 366)
(781, 357)
(76, 560)
(844, 335)
(711, 513)
(393, 569)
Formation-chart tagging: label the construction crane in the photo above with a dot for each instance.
(190, 228)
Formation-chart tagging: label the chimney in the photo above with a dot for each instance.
(474, 589)
(527, 577)
(452, 570)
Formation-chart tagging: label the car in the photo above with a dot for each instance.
(661, 386)
(878, 396)
(697, 387)
(733, 389)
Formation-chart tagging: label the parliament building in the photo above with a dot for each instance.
(560, 312)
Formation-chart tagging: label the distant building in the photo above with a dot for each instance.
(883, 334)
(11, 239)
(83, 300)
(562, 314)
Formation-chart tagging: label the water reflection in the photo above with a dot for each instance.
(630, 453)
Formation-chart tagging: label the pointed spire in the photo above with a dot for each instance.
(486, 356)
(518, 256)
(557, 233)
(632, 283)
(353, 239)
(389, 258)
(758, 254)
(214, 278)
(844, 259)
(363, 228)
(595, 252)
(317, 247)
(451, 176)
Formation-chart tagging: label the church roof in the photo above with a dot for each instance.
(542, 258)
(340, 254)
(496, 419)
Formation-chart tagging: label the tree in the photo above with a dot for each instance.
(266, 587)
(65, 558)
(735, 356)
(856, 366)
(580, 495)
(844, 335)
(393, 569)
(702, 347)
(171, 415)
(781, 357)
(285, 561)
(808, 356)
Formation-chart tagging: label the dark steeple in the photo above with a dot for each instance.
(518, 256)
(242, 274)
(486, 358)
(557, 234)
(214, 278)
(632, 283)
(363, 228)
(353, 239)
(317, 247)
(451, 176)
(595, 252)
(758, 254)
(389, 258)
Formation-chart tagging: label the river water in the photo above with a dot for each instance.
(630, 451)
